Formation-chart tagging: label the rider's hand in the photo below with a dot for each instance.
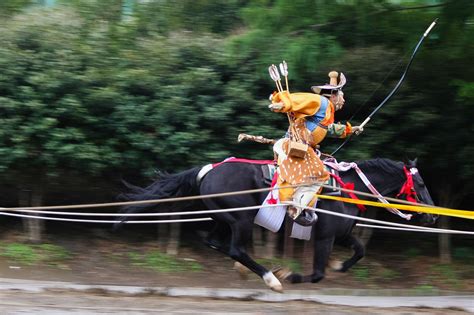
(357, 130)
(276, 106)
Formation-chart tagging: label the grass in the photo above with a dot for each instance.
(361, 273)
(271, 263)
(161, 262)
(388, 274)
(447, 274)
(426, 289)
(33, 254)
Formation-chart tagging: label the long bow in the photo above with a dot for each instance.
(395, 89)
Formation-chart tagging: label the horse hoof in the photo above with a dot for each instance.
(214, 244)
(317, 278)
(272, 282)
(242, 270)
(336, 265)
(282, 273)
(278, 288)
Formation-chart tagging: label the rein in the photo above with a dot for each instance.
(345, 166)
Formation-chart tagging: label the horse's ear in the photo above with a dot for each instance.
(412, 163)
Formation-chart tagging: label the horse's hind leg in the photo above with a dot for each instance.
(218, 238)
(359, 252)
(241, 234)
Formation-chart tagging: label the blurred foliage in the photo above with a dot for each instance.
(111, 88)
(412, 252)
(464, 254)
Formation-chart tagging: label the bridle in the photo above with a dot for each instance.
(408, 188)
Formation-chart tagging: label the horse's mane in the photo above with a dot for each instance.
(382, 165)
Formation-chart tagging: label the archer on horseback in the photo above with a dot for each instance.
(311, 119)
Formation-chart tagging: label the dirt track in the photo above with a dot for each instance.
(71, 302)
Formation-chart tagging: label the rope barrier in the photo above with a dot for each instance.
(372, 226)
(390, 225)
(128, 203)
(156, 214)
(337, 214)
(103, 221)
(401, 204)
(465, 214)
(376, 204)
(419, 207)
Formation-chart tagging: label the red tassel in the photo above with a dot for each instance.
(349, 186)
(408, 189)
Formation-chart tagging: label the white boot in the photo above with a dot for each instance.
(303, 197)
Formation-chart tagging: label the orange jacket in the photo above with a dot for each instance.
(317, 112)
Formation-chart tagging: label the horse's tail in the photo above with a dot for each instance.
(166, 186)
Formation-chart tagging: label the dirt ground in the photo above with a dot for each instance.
(102, 257)
(68, 302)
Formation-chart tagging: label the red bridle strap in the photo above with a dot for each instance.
(349, 186)
(408, 189)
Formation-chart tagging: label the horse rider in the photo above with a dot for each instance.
(311, 117)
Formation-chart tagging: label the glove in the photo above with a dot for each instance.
(357, 130)
(276, 106)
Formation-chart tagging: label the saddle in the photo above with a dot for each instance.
(269, 170)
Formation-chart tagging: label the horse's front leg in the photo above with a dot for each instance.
(359, 252)
(322, 251)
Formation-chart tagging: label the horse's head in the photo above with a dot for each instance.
(418, 192)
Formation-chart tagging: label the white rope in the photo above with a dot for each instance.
(348, 216)
(391, 225)
(157, 214)
(139, 202)
(103, 221)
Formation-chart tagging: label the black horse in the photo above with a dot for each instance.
(233, 230)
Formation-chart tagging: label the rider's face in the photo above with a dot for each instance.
(338, 99)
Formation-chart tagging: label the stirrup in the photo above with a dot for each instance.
(307, 218)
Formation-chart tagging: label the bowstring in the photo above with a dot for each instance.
(399, 63)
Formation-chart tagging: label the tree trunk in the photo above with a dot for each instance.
(271, 244)
(162, 233)
(444, 240)
(289, 243)
(173, 240)
(257, 241)
(450, 198)
(33, 227)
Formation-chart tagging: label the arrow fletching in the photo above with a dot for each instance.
(275, 70)
(272, 73)
(275, 75)
(284, 68)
